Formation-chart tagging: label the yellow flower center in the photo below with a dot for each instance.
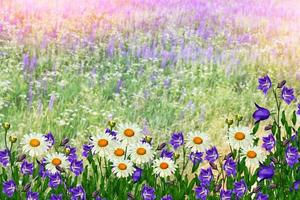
(122, 166)
(102, 143)
(129, 132)
(119, 152)
(34, 142)
(198, 140)
(239, 136)
(141, 151)
(251, 154)
(56, 161)
(164, 165)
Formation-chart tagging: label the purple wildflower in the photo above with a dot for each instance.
(77, 167)
(260, 114)
(167, 197)
(261, 196)
(137, 174)
(55, 180)
(265, 172)
(268, 142)
(111, 132)
(230, 167)
(86, 149)
(26, 167)
(298, 111)
(291, 155)
(148, 193)
(287, 94)
(166, 154)
(77, 193)
(177, 140)
(72, 155)
(4, 157)
(240, 188)
(264, 84)
(32, 195)
(50, 139)
(225, 195)
(201, 192)
(9, 188)
(56, 197)
(205, 176)
(196, 157)
(296, 185)
(212, 154)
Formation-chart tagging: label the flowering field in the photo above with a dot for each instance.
(149, 99)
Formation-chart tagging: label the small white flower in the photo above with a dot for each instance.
(56, 159)
(197, 141)
(129, 134)
(101, 144)
(240, 137)
(254, 155)
(35, 144)
(140, 153)
(123, 168)
(164, 167)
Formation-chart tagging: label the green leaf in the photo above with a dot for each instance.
(294, 118)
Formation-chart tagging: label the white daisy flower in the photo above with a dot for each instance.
(56, 159)
(35, 144)
(117, 151)
(123, 168)
(240, 137)
(197, 141)
(253, 155)
(101, 144)
(140, 153)
(129, 134)
(164, 167)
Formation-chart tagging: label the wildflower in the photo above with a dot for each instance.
(101, 144)
(111, 133)
(239, 137)
(122, 168)
(261, 114)
(140, 153)
(13, 139)
(148, 193)
(196, 157)
(287, 94)
(137, 174)
(32, 195)
(167, 154)
(264, 84)
(240, 188)
(167, 197)
(55, 160)
(212, 154)
(205, 176)
(26, 167)
(177, 140)
(77, 193)
(265, 172)
(261, 196)
(35, 144)
(76, 167)
(296, 185)
(291, 155)
(117, 151)
(6, 126)
(86, 149)
(55, 180)
(201, 192)
(56, 197)
(197, 141)
(9, 188)
(50, 139)
(268, 142)
(71, 153)
(4, 157)
(254, 156)
(230, 167)
(129, 134)
(225, 195)
(164, 167)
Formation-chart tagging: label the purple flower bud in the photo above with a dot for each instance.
(281, 84)
(137, 174)
(260, 114)
(261, 196)
(161, 146)
(265, 172)
(64, 142)
(287, 94)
